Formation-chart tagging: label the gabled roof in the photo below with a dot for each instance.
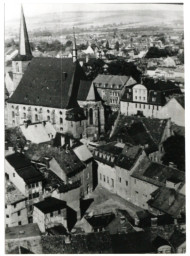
(24, 168)
(93, 95)
(49, 82)
(140, 131)
(111, 79)
(168, 200)
(157, 174)
(50, 204)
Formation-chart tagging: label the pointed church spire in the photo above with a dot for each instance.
(74, 47)
(24, 45)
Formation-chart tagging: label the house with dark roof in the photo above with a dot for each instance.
(47, 88)
(148, 98)
(150, 179)
(49, 213)
(116, 162)
(26, 177)
(111, 88)
(15, 206)
(150, 133)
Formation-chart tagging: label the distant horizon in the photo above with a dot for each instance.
(31, 10)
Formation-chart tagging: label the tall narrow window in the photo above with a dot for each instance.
(17, 67)
(36, 117)
(91, 115)
(13, 114)
(61, 120)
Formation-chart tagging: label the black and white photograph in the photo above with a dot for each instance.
(94, 128)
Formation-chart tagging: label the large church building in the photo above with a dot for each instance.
(54, 90)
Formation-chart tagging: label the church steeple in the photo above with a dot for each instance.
(24, 45)
(74, 47)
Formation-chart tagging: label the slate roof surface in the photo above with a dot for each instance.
(101, 220)
(181, 100)
(30, 230)
(18, 160)
(157, 174)
(50, 204)
(161, 201)
(111, 79)
(24, 168)
(140, 131)
(49, 82)
(84, 88)
(177, 238)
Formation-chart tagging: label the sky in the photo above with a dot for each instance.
(12, 9)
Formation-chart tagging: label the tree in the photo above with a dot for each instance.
(68, 43)
(174, 148)
(117, 46)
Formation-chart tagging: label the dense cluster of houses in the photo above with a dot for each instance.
(68, 151)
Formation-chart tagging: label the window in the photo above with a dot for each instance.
(60, 113)
(51, 214)
(139, 105)
(144, 98)
(120, 179)
(5, 206)
(37, 184)
(33, 185)
(19, 223)
(61, 120)
(24, 115)
(36, 117)
(18, 213)
(29, 186)
(13, 114)
(136, 105)
(71, 124)
(91, 115)
(153, 99)
(100, 176)
(139, 97)
(31, 207)
(37, 194)
(17, 67)
(157, 107)
(7, 216)
(48, 111)
(30, 196)
(108, 180)
(61, 129)
(112, 182)
(13, 174)
(136, 97)
(15, 205)
(126, 182)
(104, 178)
(48, 118)
(144, 106)
(59, 211)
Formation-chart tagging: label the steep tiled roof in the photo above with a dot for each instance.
(49, 82)
(18, 160)
(140, 131)
(157, 174)
(168, 200)
(12, 194)
(84, 88)
(110, 80)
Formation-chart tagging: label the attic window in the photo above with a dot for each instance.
(38, 99)
(26, 97)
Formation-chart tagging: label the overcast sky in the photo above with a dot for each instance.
(12, 9)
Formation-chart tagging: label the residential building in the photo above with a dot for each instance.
(15, 206)
(25, 176)
(111, 88)
(147, 99)
(49, 213)
(149, 177)
(150, 133)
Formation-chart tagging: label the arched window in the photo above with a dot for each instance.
(91, 116)
(61, 120)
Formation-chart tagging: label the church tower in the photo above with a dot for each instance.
(94, 110)
(21, 61)
(74, 50)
